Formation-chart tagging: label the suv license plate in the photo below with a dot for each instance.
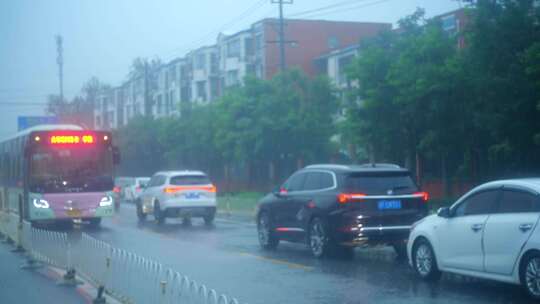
(192, 195)
(389, 204)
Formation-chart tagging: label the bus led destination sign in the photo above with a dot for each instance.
(71, 139)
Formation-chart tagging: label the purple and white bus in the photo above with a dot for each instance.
(54, 173)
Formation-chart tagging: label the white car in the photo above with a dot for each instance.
(491, 232)
(132, 192)
(183, 194)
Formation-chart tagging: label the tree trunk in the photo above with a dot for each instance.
(299, 163)
(371, 153)
(272, 172)
(226, 178)
(418, 169)
(444, 176)
(352, 153)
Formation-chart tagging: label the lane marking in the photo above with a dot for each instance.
(276, 261)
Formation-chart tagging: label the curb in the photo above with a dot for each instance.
(85, 289)
(244, 216)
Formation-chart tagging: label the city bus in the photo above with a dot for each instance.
(58, 173)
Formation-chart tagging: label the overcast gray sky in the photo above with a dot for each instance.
(101, 37)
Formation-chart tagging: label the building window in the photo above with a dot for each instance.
(258, 42)
(250, 69)
(185, 94)
(449, 23)
(201, 90)
(233, 48)
(232, 77)
(333, 42)
(172, 76)
(214, 87)
(170, 103)
(214, 63)
(159, 104)
(343, 63)
(200, 61)
(248, 46)
(110, 116)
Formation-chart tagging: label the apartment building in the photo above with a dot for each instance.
(205, 73)
(335, 63)
(172, 89)
(306, 41)
(236, 57)
(205, 86)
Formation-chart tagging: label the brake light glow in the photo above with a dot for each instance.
(425, 195)
(344, 198)
(175, 189)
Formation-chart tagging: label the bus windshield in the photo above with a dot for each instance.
(56, 170)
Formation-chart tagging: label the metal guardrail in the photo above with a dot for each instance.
(134, 279)
(126, 276)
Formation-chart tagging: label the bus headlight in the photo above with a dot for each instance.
(41, 203)
(106, 201)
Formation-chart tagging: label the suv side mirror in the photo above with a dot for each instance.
(443, 212)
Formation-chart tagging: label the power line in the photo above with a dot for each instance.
(343, 3)
(253, 8)
(346, 9)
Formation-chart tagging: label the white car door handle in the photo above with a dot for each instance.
(525, 227)
(477, 227)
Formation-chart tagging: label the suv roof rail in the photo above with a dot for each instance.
(380, 165)
(327, 166)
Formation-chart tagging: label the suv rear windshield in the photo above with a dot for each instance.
(380, 183)
(181, 180)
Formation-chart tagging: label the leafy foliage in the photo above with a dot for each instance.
(469, 111)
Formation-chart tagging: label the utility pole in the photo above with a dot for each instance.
(60, 62)
(282, 61)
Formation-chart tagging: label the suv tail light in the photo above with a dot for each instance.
(344, 198)
(175, 189)
(425, 195)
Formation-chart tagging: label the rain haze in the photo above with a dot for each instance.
(270, 151)
(101, 38)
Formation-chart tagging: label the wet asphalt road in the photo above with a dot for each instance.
(227, 257)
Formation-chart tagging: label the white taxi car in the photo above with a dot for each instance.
(491, 232)
(183, 194)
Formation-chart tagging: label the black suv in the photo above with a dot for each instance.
(334, 208)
